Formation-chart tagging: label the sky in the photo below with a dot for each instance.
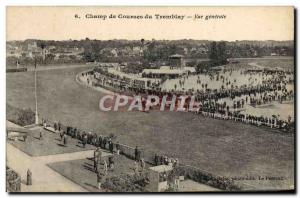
(60, 23)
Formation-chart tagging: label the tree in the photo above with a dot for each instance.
(218, 54)
(213, 51)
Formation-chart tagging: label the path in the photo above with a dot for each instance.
(68, 156)
(44, 179)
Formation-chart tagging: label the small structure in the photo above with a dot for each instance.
(176, 61)
(158, 178)
(14, 131)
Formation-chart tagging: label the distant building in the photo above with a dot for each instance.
(164, 72)
(32, 46)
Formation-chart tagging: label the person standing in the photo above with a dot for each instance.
(156, 159)
(118, 148)
(105, 167)
(143, 164)
(100, 141)
(135, 168)
(84, 141)
(65, 140)
(104, 143)
(98, 162)
(55, 126)
(99, 180)
(29, 177)
(41, 135)
(61, 135)
(111, 163)
(99, 155)
(44, 123)
(59, 126)
(96, 151)
(95, 165)
(136, 151)
(90, 137)
(111, 146)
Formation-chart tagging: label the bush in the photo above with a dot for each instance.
(125, 183)
(19, 116)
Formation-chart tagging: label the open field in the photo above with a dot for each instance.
(272, 62)
(221, 147)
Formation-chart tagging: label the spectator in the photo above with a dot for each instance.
(29, 177)
(143, 164)
(111, 163)
(136, 154)
(111, 146)
(105, 167)
(65, 140)
(118, 148)
(99, 180)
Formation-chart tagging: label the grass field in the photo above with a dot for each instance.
(272, 62)
(221, 147)
(49, 145)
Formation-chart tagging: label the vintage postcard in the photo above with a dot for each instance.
(150, 99)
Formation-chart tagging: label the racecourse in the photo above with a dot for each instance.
(222, 147)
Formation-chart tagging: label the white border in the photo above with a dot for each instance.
(5, 3)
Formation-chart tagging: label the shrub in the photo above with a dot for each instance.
(19, 116)
(125, 183)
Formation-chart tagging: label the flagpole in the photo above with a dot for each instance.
(35, 94)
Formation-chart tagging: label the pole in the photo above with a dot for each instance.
(35, 94)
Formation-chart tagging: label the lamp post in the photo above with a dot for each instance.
(35, 94)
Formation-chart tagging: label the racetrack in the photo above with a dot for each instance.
(221, 147)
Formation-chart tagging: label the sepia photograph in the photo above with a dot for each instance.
(122, 99)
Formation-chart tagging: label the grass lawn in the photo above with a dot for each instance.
(220, 147)
(81, 171)
(49, 145)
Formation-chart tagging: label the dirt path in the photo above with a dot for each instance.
(68, 156)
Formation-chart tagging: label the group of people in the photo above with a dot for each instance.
(91, 138)
(260, 88)
(164, 160)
